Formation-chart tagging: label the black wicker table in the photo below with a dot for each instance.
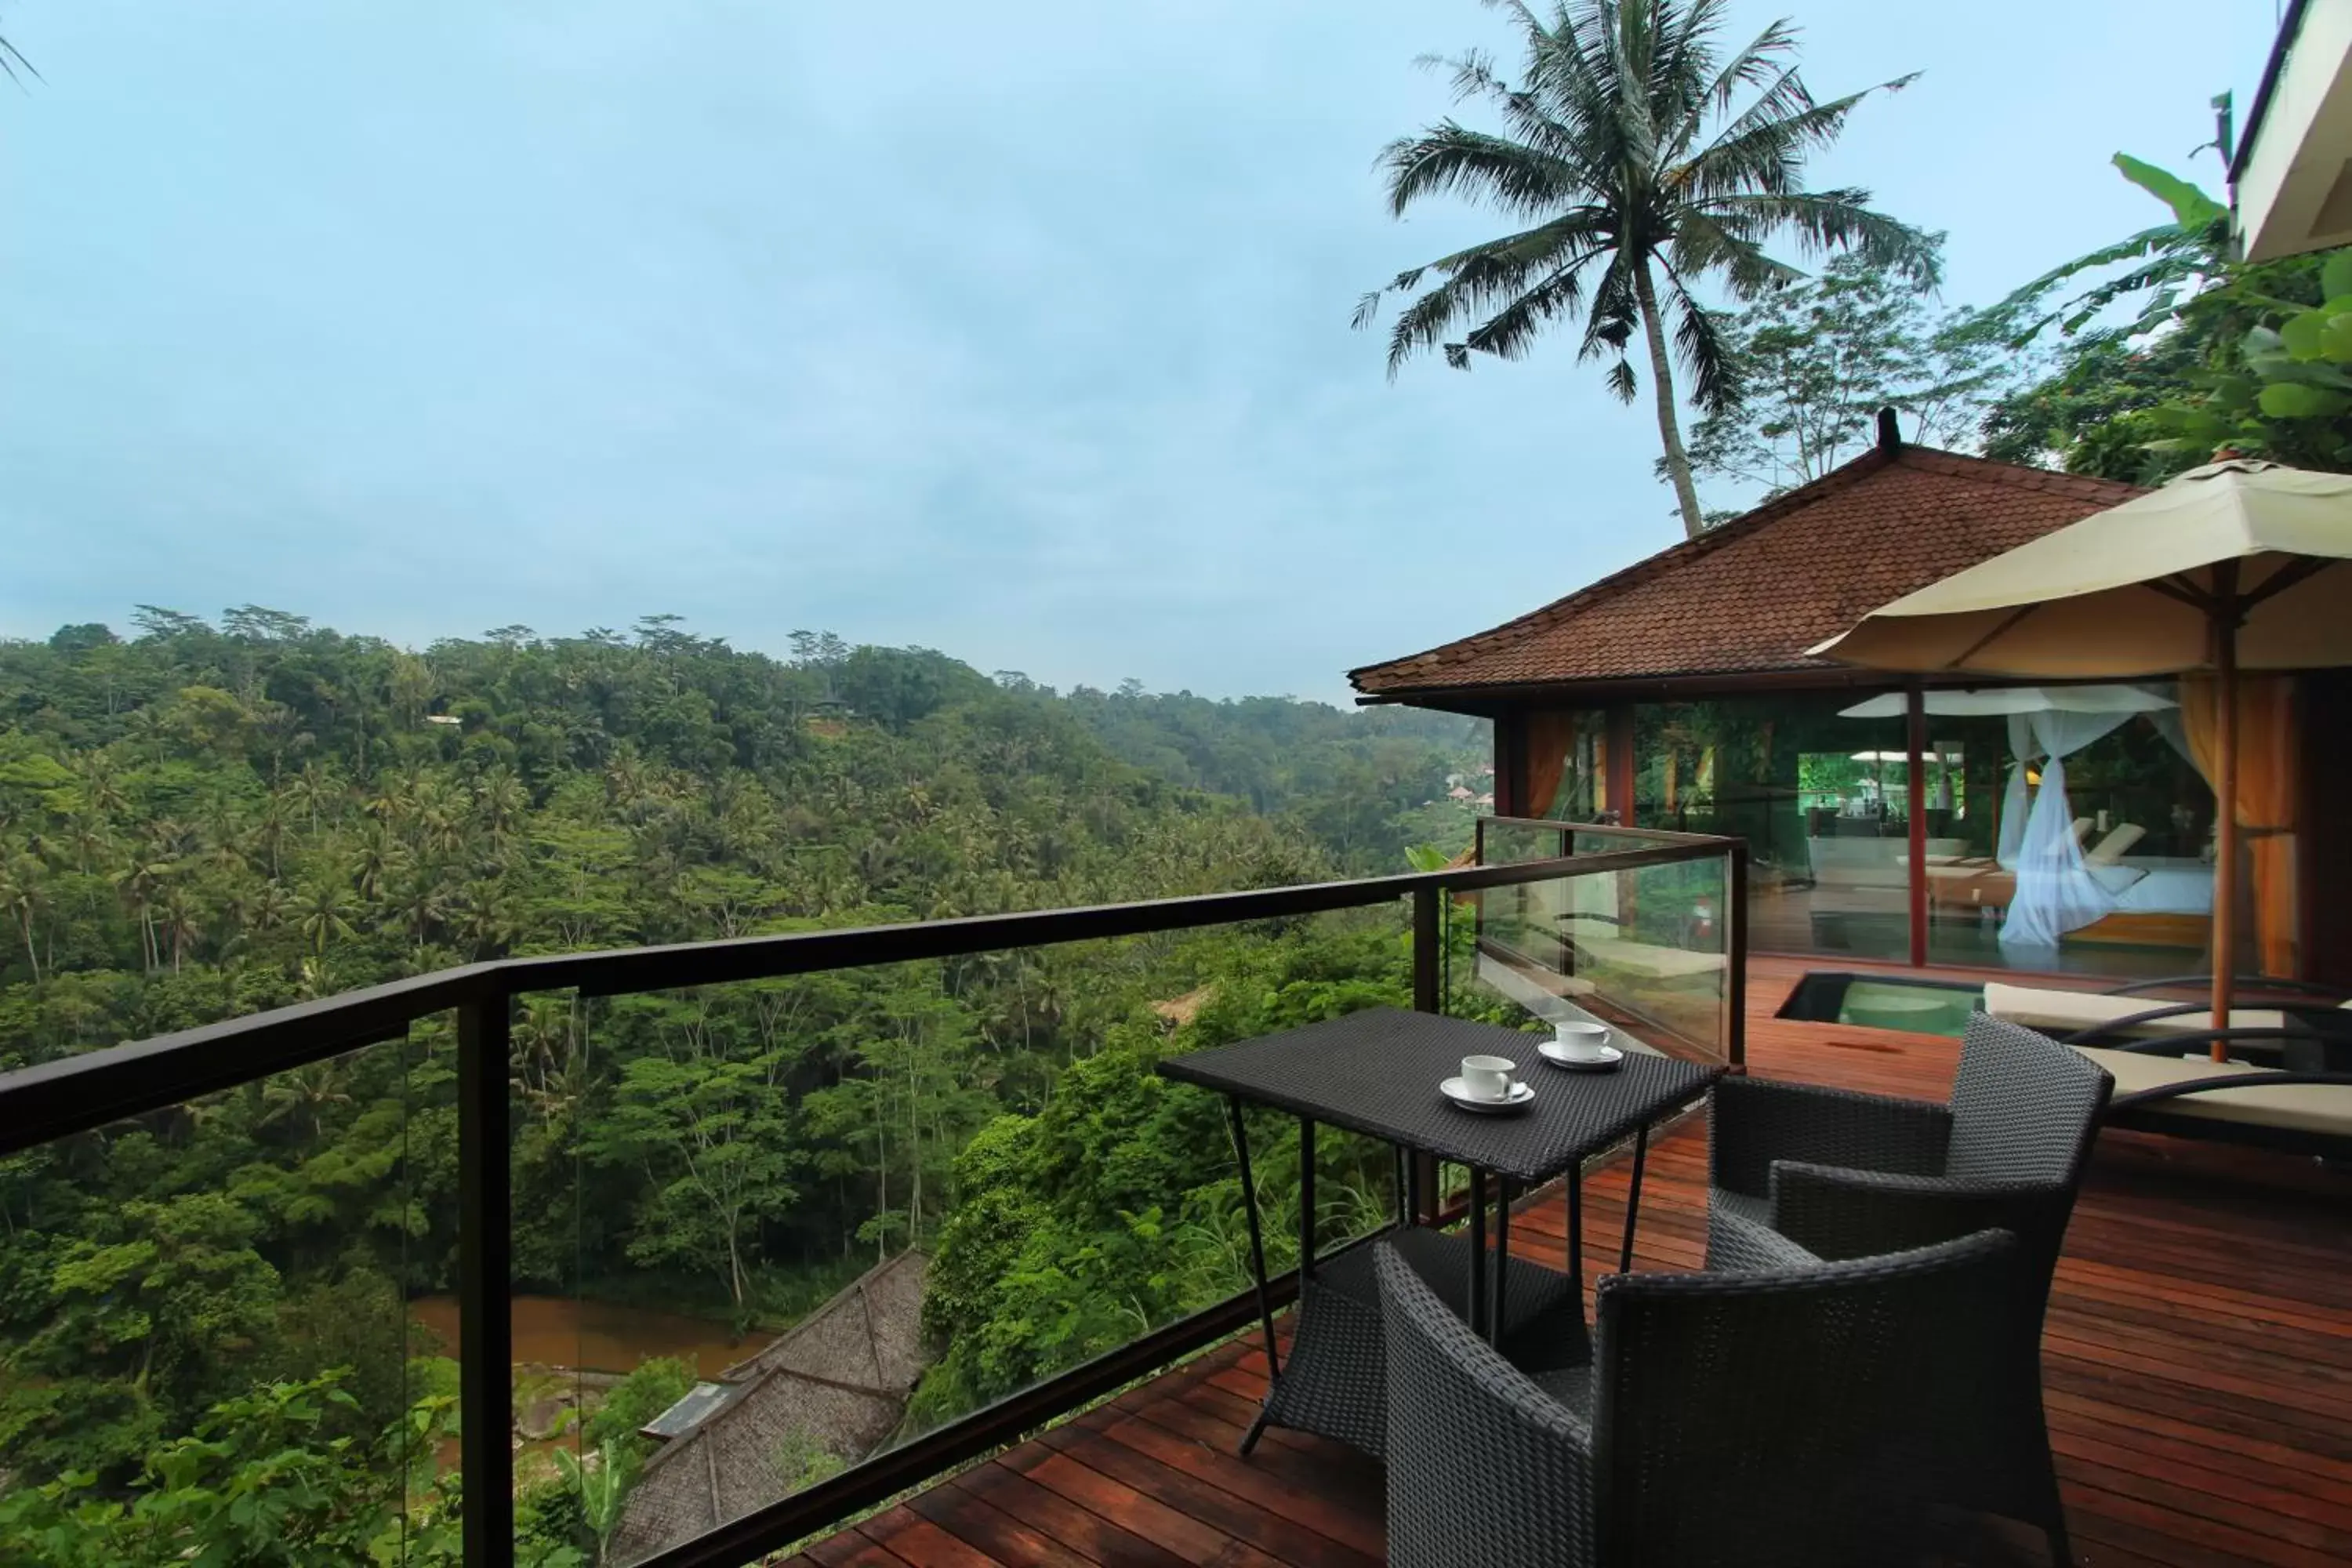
(1376, 1073)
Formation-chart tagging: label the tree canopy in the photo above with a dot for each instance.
(1816, 360)
(208, 818)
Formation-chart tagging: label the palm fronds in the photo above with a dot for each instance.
(12, 62)
(1624, 143)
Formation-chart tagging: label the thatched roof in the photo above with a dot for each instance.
(836, 1384)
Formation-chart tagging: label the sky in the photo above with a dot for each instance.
(1019, 330)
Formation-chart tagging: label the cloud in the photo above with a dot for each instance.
(1019, 332)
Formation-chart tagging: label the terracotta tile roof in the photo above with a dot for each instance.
(1754, 593)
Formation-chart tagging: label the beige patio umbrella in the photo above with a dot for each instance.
(2237, 565)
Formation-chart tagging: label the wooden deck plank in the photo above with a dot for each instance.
(1085, 1532)
(2198, 1365)
(1283, 1540)
(990, 1531)
(854, 1549)
(1194, 1541)
(922, 1543)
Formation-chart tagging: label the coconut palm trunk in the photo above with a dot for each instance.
(1661, 388)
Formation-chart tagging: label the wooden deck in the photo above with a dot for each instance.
(2198, 1366)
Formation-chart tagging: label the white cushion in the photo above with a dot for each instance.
(2322, 1107)
(2064, 1012)
(2115, 878)
(2115, 844)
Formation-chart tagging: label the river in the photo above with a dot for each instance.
(596, 1336)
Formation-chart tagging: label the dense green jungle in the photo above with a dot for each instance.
(206, 1350)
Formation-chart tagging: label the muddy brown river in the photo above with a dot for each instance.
(595, 1336)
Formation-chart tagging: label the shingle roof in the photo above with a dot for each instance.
(1753, 595)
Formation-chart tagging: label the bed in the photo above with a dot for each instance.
(2159, 884)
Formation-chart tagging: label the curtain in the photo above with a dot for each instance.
(1550, 735)
(2021, 751)
(2055, 890)
(2267, 774)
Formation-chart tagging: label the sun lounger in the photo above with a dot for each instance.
(2238, 1102)
(2167, 1082)
(2072, 1011)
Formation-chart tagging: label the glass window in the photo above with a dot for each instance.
(1820, 793)
(1567, 764)
(2077, 829)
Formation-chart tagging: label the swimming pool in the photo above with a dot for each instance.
(1885, 1002)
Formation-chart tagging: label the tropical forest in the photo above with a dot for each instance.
(206, 1331)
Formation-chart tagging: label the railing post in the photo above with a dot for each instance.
(485, 1246)
(1428, 945)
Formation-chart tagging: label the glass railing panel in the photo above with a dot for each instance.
(880, 1199)
(216, 1324)
(1644, 949)
(1511, 841)
(613, 1321)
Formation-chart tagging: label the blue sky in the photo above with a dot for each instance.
(1016, 330)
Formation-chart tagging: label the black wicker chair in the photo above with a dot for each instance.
(1335, 1381)
(1813, 1416)
(1845, 1175)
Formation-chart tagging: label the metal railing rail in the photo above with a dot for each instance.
(50, 1100)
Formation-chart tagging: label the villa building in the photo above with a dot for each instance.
(1884, 814)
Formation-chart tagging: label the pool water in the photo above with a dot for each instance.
(1870, 1002)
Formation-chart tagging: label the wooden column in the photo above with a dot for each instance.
(1510, 763)
(1620, 769)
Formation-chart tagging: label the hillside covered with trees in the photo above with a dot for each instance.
(200, 821)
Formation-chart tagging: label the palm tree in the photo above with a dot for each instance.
(268, 907)
(177, 923)
(484, 919)
(102, 791)
(379, 856)
(421, 903)
(23, 896)
(326, 916)
(500, 801)
(1624, 159)
(300, 1096)
(141, 884)
(85, 836)
(317, 788)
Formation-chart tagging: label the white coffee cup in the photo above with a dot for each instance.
(1581, 1041)
(1487, 1077)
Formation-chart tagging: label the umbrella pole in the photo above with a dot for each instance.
(2225, 799)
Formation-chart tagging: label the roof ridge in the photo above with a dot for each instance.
(1642, 570)
(1417, 669)
(822, 1312)
(2019, 475)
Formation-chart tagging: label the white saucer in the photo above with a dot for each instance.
(1520, 1096)
(1557, 1054)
